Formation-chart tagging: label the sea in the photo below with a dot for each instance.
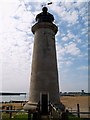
(9, 98)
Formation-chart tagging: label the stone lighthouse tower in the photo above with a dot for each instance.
(44, 74)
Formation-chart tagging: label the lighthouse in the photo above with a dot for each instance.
(44, 72)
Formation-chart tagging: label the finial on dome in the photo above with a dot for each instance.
(44, 9)
(44, 16)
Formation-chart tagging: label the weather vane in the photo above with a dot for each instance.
(45, 4)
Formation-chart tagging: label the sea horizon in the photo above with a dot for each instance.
(10, 98)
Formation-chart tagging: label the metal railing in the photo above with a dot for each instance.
(10, 113)
(53, 113)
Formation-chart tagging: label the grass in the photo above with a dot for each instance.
(16, 116)
(72, 117)
(24, 116)
(75, 118)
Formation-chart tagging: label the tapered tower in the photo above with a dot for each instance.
(44, 74)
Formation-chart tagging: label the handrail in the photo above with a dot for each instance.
(54, 108)
(12, 110)
(80, 112)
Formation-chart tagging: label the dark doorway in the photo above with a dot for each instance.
(44, 104)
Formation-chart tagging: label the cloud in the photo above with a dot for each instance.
(71, 17)
(66, 63)
(16, 17)
(78, 40)
(9, 1)
(84, 31)
(17, 20)
(66, 14)
(68, 36)
(65, 38)
(67, 1)
(60, 50)
(72, 49)
(83, 68)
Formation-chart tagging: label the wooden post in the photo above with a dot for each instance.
(7, 108)
(29, 115)
(0, 115)
(89, 111)
(11, 112)
(78, 111)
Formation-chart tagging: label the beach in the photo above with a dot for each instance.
(71, 102)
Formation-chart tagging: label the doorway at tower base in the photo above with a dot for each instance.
(44, 106)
